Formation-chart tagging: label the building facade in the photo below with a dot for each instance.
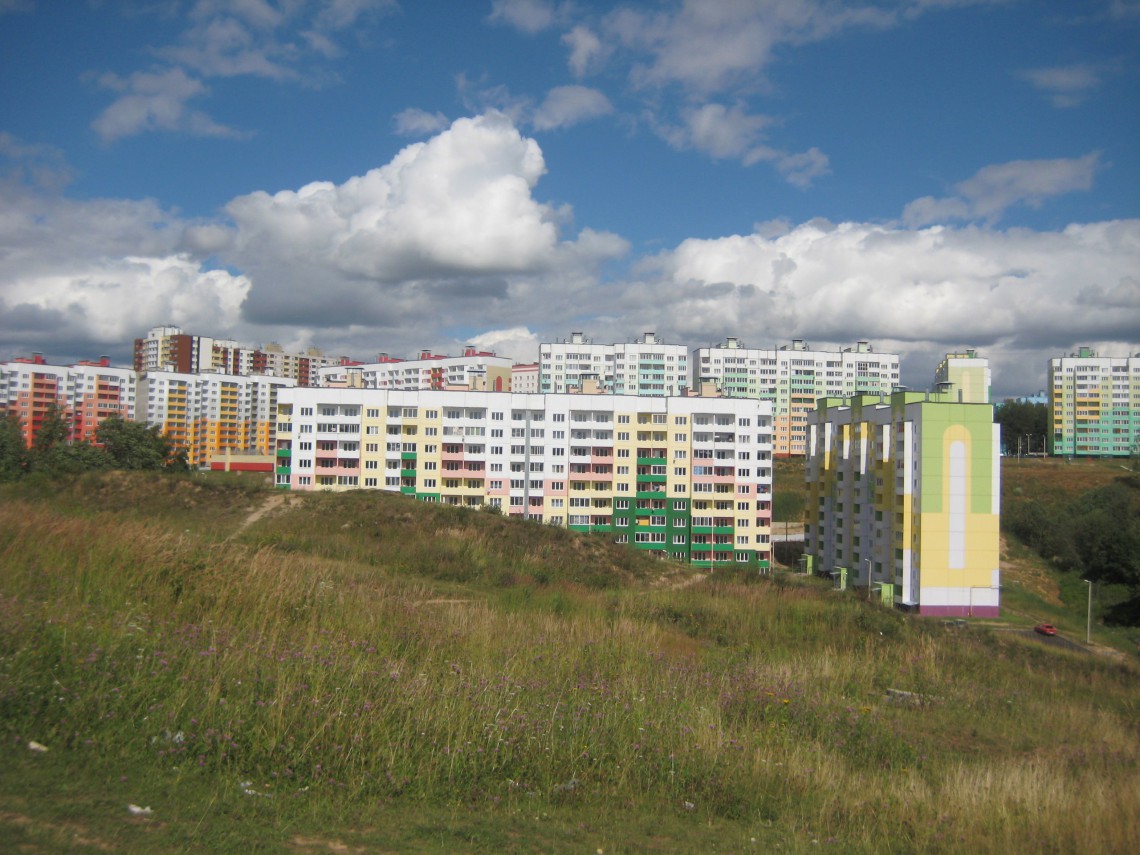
(84, 394)
(212, 414)
(524, 378)
(965, 376)
(1094, 404)
(168, 348)
(647, 366)
(474, 369)
(904, 496)
(685, 477)
(793, 377)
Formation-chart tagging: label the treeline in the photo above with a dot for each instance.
(1097, 535)
(1024, 427)
(120, 444)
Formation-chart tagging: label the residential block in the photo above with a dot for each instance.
(84, 393)
(474, 369)
(686, 477)
(965, 376)
(1094, 404)
(904, 499)
(211, 414)
(646, 366)
(793, 377)
(168, 348)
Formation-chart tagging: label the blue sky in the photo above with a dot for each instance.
(367, 175)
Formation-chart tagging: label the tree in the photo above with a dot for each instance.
(13, 449)
(1106, 529)
(133, 445)
(54, 430)
(64, 459)
(53, 433)
(1022, 419)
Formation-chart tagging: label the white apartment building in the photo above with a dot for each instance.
(473, 370)
(685, 477)
(793, 377)
(524, 378)
(646, 366)
(1094, 404)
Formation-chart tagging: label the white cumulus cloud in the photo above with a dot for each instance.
(733, 133)
(156, 101)
(569, 105)
(415, 122)
(452, 218)
(112, 300)
(991, 190)
(587, 50)
(1066, 85)
(1018, 295)
(530, 16)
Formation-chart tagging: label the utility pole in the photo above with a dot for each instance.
(1088, 625)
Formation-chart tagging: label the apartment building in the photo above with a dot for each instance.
(965, 376)
(211, 414)
(524, 378)
(684, 477)
(1094, 404)
(646, 366)
(168, 348)
(475, 369)
(85, 393)
(903, 499)
(793, 377)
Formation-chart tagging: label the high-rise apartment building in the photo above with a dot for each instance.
(687, 477)
(209, 414)
(474, 369)
(1094, 404)
(793, 377)
(904, 495)
(170, 349)
(646, 366)
(965, 376)
(84, 394)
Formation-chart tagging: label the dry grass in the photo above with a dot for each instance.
(321, 662)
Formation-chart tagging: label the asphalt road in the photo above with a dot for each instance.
(1055, 640)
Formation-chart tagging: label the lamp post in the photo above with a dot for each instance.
(1088, 625)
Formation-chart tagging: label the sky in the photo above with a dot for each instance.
(371, 176)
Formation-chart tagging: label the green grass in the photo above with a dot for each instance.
(379, 674)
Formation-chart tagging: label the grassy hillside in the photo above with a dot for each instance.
(306, 673)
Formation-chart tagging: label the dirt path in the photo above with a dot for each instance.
(272, 503)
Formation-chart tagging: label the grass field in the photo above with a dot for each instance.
(363, 673)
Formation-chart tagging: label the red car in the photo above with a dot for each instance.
(1045, 629)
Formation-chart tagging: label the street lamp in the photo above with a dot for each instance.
(1088, 625)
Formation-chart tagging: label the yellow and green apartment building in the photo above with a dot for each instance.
(685, 477)
(212, 414)
(1094, 404)
(903, 499)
